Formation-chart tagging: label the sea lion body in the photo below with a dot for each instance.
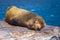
(21, 17)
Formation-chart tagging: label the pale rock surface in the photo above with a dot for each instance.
(10, 32)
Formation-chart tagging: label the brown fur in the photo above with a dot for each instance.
(22, 17)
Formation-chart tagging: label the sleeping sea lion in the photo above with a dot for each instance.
(21, 17)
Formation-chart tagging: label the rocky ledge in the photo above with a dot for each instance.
(10, 32)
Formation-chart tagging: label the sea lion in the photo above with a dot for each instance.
(21, 17)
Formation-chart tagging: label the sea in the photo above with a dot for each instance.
(49, 10)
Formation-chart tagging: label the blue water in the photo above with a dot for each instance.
(48, 9)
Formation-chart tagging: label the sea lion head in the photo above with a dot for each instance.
(36, 23)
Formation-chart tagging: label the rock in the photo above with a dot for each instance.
(10, 32)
